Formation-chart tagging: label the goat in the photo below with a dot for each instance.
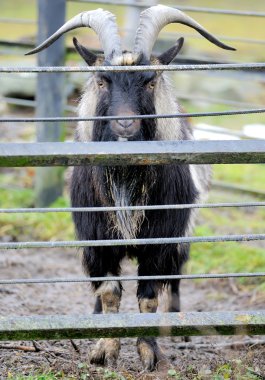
(130, 94)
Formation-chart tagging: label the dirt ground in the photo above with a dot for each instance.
(70, 299)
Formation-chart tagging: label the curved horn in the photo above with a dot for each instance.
(101, 21)
(153, 20)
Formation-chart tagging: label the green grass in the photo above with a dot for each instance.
(233, 370)
(231, 256)
(251, 176)
(224, 257)
(46, 226)
(42, 376)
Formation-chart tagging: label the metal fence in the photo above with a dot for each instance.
(131, 153)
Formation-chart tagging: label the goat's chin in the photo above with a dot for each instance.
(128, 136)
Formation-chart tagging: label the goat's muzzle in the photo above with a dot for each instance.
(126, 128)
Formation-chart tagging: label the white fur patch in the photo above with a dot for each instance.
(108, 287)
(87, 108)
(125, 223)
(126, 59)
(167, 129)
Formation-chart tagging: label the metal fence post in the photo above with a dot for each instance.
(50, 99)
(132, 21)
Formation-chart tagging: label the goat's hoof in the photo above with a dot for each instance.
(106, 352)
(150, 354)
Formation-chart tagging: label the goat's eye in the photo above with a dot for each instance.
(101, 83)
(151, 85)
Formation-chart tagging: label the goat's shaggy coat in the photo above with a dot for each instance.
(131, 94)
(124, 186)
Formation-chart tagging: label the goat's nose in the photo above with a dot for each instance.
(125, 123)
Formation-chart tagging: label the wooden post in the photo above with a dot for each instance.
(50, 98)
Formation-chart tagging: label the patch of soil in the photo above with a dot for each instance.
(204, 354)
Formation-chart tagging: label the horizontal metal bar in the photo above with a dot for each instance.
(238, 189)
(122, 208)
(6, 20)
(86, 69)
(132, 153)
(16, 43)
(132, 325)
(23, 281)
(183, 59)
(180, 7)
(134, 117)
(133, 242)
(33, 103)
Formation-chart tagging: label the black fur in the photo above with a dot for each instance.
(89, 57)
(168, 56)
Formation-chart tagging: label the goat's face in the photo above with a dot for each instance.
(126, 94)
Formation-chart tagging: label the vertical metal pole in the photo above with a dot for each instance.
(132, 21)
(50, 97)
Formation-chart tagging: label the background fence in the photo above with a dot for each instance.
(49, 115)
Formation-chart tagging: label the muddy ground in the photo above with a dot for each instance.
(72, 299)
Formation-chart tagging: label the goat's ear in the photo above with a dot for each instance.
(89, 58)
(168, 56)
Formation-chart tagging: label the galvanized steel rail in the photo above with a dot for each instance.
(91, 69)
(203, 276)
(132, 153)
(131, 208)
(9, 20)
(134, 117)
(132, 325)
(133, 242)
(238, 189)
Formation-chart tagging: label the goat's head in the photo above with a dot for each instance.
(130, 93)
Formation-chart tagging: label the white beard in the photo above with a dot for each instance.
(125, 223)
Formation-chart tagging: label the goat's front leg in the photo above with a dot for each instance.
(148, 349)
(101, 263)
(108, 297)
